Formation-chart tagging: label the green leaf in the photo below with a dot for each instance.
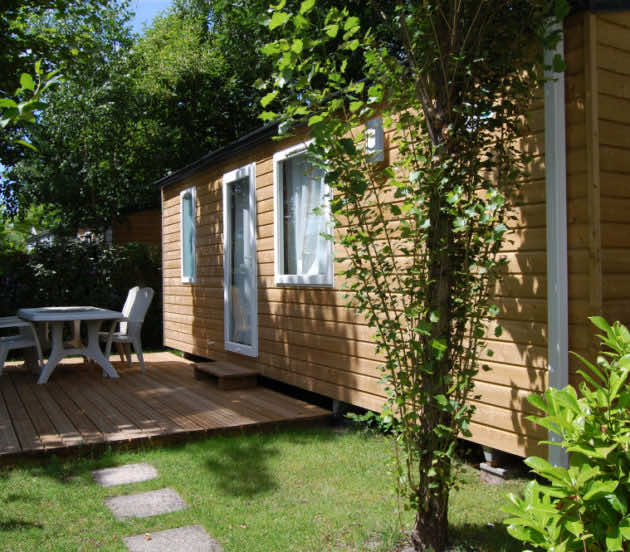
(537, 401)
(7, 102)
(614, 539)
(331, 30)
(306, 6)
(624, 527)
(600, 322)
(539, 465)
(618, 503)
(268, 115)
(278, 19)
(439, 344)
(26, 144)
(559, 66)
(271, 48)
(352, 45)
(441, 400)
(351, 23)
(27, 82)
(297, 45)
(314, 119)
(598, 489)
(268, 98)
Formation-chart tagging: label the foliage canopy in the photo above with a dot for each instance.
(587, 505)
(421, 231)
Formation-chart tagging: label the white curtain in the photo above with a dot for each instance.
(305, 249)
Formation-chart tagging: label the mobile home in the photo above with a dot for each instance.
(247, 280)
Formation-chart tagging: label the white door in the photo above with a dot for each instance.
(239, 261)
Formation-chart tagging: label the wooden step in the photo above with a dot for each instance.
(226, 375)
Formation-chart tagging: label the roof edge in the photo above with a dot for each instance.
(237, 146)
(598, 6)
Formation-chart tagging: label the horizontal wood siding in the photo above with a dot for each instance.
(582, 184)
(143, 227)
(613, 57)
(310, 339)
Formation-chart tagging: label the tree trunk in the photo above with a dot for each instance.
(431, 528)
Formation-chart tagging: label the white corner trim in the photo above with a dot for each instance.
(557, 250)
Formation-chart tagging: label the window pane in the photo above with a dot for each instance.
(188, 236)
(241, 264)
(306, 252)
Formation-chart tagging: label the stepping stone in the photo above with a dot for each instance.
(192, 538)
(131, 473)
(141, 505)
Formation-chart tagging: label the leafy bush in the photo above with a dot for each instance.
(73, 272)
(584, 507)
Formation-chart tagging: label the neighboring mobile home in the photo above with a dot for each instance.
(282, 314)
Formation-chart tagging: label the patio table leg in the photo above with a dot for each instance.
(30, 360)
(56, 353)
(93, 349)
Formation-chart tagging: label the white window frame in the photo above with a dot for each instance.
(193, 193)
(247, 171)
(314, 280)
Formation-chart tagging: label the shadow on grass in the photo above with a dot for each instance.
(18, 524)
(240, 466)
(17, 497)
(310, 435)
(491, 538)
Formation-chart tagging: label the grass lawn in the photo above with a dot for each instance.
(299, 490)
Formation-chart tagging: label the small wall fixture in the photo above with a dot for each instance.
(374, 140)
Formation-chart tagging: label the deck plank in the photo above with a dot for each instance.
(148, 390)
(24, 429)
(132, 397)
(79, 418)
(9, 442)
(217, 408)
(64, 427)
(224, 399)
(207, 413)
(80, 407)
(263, 403)
(111, 424)
(116, 396)
(174, 399)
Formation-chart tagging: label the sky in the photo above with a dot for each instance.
(146, 10)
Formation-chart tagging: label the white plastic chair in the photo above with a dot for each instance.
(130, 327)
(25, 339)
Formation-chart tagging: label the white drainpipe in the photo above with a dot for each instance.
(557, 254)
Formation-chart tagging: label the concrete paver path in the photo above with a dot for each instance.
(192, 538)
(122, 475)
(148, 504)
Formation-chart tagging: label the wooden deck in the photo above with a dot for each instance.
(78, 407)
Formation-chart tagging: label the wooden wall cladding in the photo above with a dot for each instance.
(309, 338)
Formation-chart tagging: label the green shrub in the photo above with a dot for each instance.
(74, 272)
(584, 507)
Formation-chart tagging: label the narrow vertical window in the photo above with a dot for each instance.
(303, 254)
(188, 228)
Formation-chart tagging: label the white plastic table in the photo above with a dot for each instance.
(56, 317)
